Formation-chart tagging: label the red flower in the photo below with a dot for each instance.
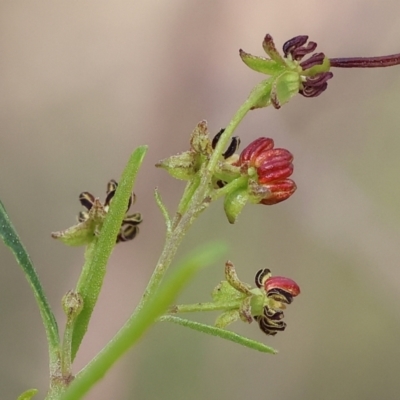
(280, 291)
(273, 167)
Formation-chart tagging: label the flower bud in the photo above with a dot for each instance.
(272, 166)
(72, 304)
(181, 166)
(234, 204)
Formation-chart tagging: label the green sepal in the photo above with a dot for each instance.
(28, 394)
(85, 232)
(224, 292)
(200, 141)
(245, 310)
(269, 47)
(261, 64)
(258, 302)
(317, 69)
(226, 318)
(263, 91)
(234, 203)
(284, 87)
(181, 166)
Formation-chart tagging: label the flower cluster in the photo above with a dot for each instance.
(280, 292)
(312, 84)
(264, 304)
(290, 73)
(91, 220)
(272, 167)
(130, 224)
(263, 177)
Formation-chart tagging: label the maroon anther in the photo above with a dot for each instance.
(314, 86)
(315, 59)
(294, 43)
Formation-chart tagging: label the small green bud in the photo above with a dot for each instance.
(234, 203)
(72, 303)
(181, 166)
(200, 140)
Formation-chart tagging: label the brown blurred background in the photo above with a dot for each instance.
(83, 83)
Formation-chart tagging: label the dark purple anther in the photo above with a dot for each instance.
(300, 52)
(315, 59)
(294, 43)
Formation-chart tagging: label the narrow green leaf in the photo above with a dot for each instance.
(222, 333)
(27, 395)
(12, 240)
(141, 320)
(91, 280)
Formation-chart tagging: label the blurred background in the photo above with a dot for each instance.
(83, 83)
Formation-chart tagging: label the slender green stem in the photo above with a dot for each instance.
(185, 308)
(66, 349)
(163, 210)
(230, 187)
(257, 93)
(190, 189)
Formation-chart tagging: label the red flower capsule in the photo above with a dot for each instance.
(280, 282)
(280, 291)
(273, 167)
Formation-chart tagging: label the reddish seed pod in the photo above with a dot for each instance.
(280, 282)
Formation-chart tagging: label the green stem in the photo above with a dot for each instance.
(66, 349)
(190, 189)
(163, 210)
(210, 306)
(257, 93)
(230, 187)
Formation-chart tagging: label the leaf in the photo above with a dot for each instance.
(99, 251)
(12, 240)
(224, 292)
(28, 394)
(222, 333)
